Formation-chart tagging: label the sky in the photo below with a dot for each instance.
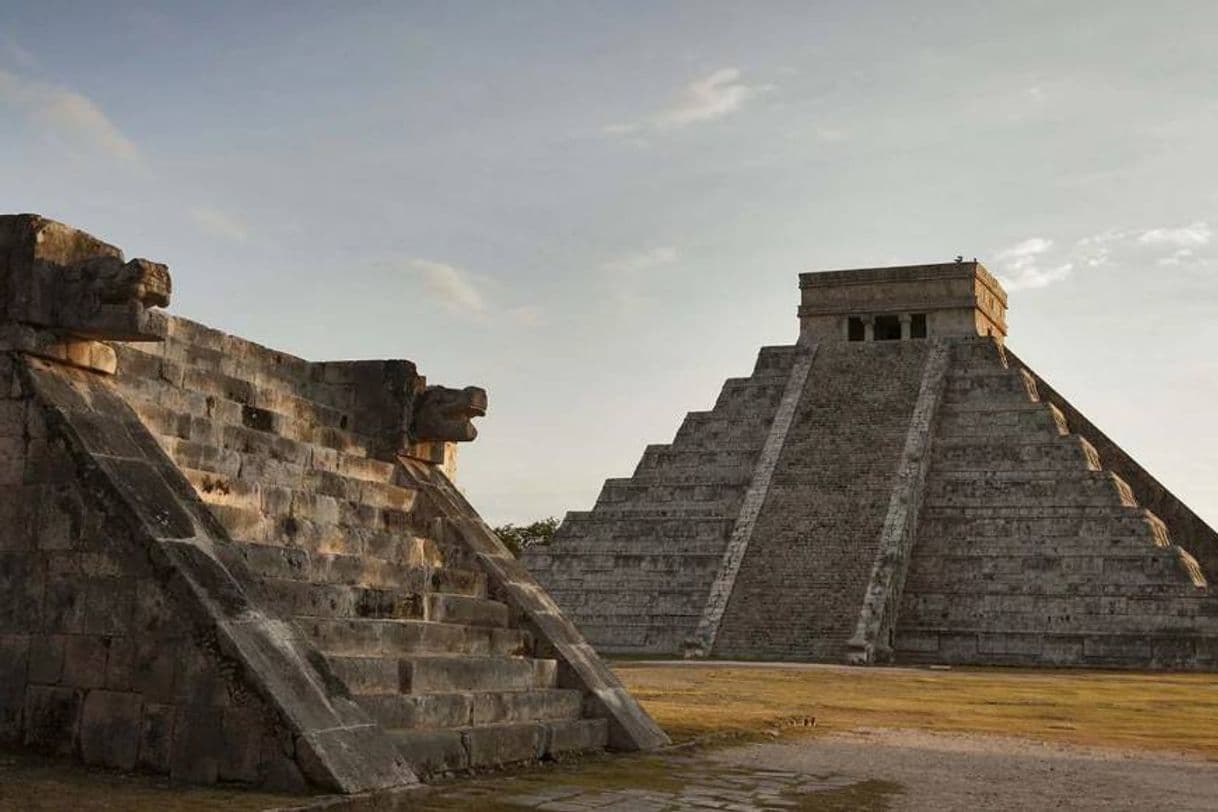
(598, 210)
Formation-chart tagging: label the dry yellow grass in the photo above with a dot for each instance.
(1122, 709)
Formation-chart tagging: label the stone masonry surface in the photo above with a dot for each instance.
(222, 562)
(928, 502)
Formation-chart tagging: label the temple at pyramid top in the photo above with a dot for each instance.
(902, 303)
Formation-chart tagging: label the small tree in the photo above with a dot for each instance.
(519, 538)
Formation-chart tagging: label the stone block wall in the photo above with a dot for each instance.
(100, 659)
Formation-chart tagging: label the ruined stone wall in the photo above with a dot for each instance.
(800, 589)
(634, 572)
(98, 656)
(1027, 552)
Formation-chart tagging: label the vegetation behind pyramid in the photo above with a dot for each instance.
(896, 485)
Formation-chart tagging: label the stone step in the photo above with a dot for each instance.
(430, 752)
(665, 458)
(472, 611)
(1032, 574)
(279, 525)
(930, 645)
(463, 709)
(646, 597)
(750, 394)
(1003, 421)
(686, 511)
(631, 547)
(1017, 488)
(304, 599)
(964, 384)
(1016, 545)
(666, 564)
(297, 564)
(708, 430)
(367, 637)
(1058, 521)
(689, 476)
(443, 674)
(976, 453)
(623, 492)
(979, 351)
(595, 526)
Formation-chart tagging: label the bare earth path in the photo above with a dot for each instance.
(938, 771)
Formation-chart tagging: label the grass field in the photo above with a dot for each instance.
(1154, 711)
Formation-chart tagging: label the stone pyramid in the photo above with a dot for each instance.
(895, 485)
(222, 562)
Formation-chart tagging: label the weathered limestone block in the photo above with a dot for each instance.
(58, 278)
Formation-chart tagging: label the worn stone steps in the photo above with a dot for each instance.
(580, 525)
(665, 459)
(1015, 545)
(689, 476)
(422, 674)
(466, 708)
(666, 563)
(439, 751)
(371, 636)
(205, 418)
(1083, 520)
(969, 489)
(1004, 575)
(640, 545)
(1053, 453)
(273, 561)
(622, 492)
(306, 599)
(1014, 420)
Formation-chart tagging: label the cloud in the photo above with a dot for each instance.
(1037, 262)
(641, 261)
(629, 275)
(716, 95)
(708, 98)
(66, 113)
(450, 286)
(1021, 265)
(468, 295)
(219, 224)
(1192, 236)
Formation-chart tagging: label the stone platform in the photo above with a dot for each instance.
(221, 562)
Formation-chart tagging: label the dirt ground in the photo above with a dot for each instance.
(967, 771)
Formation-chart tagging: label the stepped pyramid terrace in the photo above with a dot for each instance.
(894, 486)
(222, 562)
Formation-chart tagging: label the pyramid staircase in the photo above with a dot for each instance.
(342, 543)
